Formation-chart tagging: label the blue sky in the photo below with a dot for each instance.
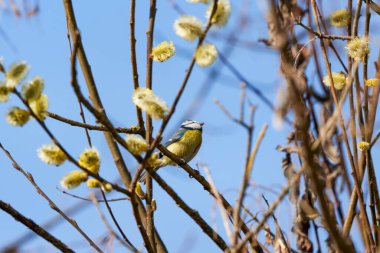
(42, 42)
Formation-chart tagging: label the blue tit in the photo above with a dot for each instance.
(185, 144)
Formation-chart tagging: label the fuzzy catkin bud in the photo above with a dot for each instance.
(33, 89)
(4, 93)
(372, 82)
(136, 145)
(163, 51)
(39, 106)
(90, 159)
(51, 154)
(149, 103)
(222, 13)
(358, 48)
(73, 179)
(17, 116)
(339, 80)
(340, 18)
(93, 183)
(107, 187)
(206, 55)
(363, 146)
(16, 73)
(188, 27)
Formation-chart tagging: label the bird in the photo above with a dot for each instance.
(185, 144)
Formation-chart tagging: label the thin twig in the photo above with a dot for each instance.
(149, 126)
(373, 142)
(220, 203)
(345, 137)
(101, 117)
(230, 116)
(98, 111)
(34, 227)
(320, 35)
(108, 226)
(170, 113)
(88, 199)
(49, 224)
(277, 225)
(133, 248)
(131, 130)
(186, 78)
(207, 187)
(244, 184)
(135, 72)
(81, 113)
(51, 203)
(69, 157)
(193, 214)
(270, 210)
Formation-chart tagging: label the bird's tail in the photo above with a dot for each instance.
(142, 177)
(158, 162)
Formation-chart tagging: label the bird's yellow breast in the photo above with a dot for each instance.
(187, 147)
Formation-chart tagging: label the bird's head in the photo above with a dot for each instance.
(192, 125)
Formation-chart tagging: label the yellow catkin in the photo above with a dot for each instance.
(206, 55)
(39, 106)
(136, 145)
(4, 93)
(73, 179)
(90, 159)
(17, 116)
(33, 89)
(222, 13)
(93, 183)
(372, 82)
(188, 27)
(163, 51)
(149, 103)
(340, 18)
(107, 187)
(358, 48)
(339, 80)
(51, 154)
(363, 146)
(16, 73)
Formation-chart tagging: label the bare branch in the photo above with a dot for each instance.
(51, 203)
(34, 227)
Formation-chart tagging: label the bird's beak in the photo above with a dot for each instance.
(201, 123)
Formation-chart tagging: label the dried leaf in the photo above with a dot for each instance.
(287, 149)
(268, 238)
(287, 168)
(308, 210)
(327, 131)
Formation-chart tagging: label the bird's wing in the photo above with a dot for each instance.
(176, 137)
